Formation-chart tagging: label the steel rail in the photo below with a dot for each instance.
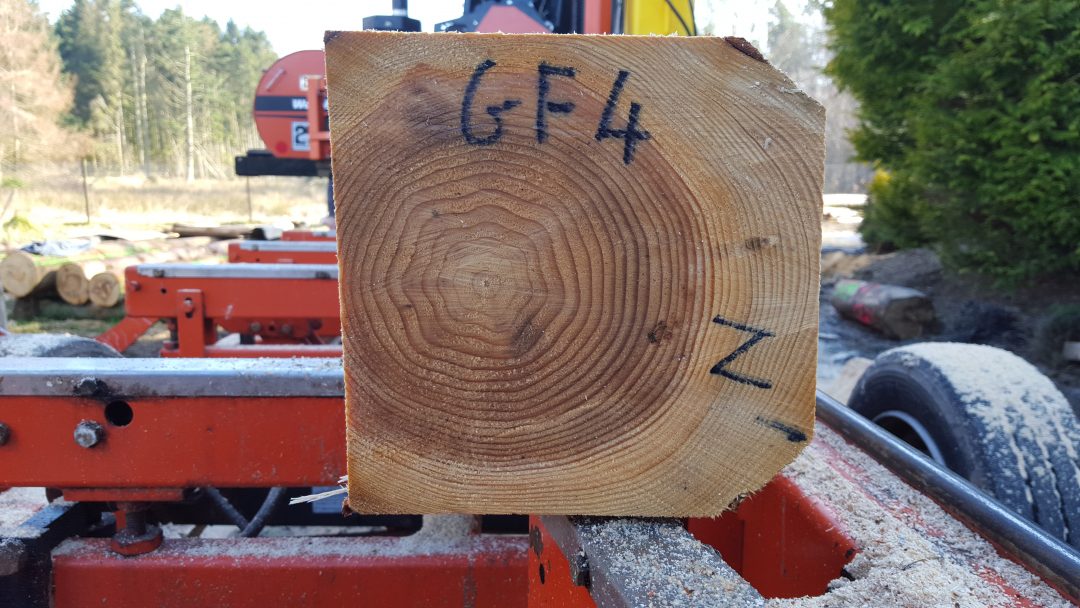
(1021, 540)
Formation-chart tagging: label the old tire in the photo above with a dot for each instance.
(987, 415)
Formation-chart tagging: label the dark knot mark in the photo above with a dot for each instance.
(525, 337)
(757, 243)
(659, 333)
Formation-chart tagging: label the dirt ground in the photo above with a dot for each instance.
(49, 203)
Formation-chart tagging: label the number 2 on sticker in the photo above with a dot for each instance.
(300, 141)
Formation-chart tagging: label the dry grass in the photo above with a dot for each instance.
(49, 203)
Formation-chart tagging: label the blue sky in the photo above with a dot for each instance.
(295, 26)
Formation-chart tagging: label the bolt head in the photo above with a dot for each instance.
(87, 387)
(255, 327)
(5, 433)
(89, 433)
(128, 543)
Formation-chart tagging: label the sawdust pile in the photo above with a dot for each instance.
(659, 561)
(911, 552)
(19, 504)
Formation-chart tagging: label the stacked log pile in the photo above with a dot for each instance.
(95, 276)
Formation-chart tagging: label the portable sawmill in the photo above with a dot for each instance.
(166, 481)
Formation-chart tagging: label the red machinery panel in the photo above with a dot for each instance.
(308, 235)
(283, 107)
(283, 252)
(175, 443)
(263, 572)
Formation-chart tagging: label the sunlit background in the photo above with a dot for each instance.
(293, 30)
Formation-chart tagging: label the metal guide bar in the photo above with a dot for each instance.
(133, 378)
(628, 562)
(289, 246)
(239, 271)
(1025, 542)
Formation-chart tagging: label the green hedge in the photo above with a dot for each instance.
(979, 138)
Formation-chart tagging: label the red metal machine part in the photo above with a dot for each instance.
(176, 423)
(243, 417)
(279, 310)
(165, 426)
(290, 102)
(283, 252)
(289, 107)
(309, 235)
(480, 571)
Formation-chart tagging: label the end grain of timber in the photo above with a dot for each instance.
(579, 274)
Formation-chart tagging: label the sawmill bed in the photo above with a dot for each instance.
(835, 528)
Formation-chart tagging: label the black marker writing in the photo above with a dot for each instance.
(542, 104)
(631, 135)
(794, 435)
(493, 111)
(720, 368)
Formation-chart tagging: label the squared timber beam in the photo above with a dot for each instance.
(579, 274)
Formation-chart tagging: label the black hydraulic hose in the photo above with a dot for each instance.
(227, 509)
(682, 21)
(274, 499)
(248, 528)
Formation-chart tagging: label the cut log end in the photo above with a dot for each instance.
(573, 285)
(72, 284)
(19, 275)
(106, 289)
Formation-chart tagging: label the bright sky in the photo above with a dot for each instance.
(294, 26)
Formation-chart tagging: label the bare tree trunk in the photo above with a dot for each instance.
(140, 134)
(190, 131)
(120, 133)
(141, 103)
(17, 143)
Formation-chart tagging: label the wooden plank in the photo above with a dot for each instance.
(217, 232)
(579, 274)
